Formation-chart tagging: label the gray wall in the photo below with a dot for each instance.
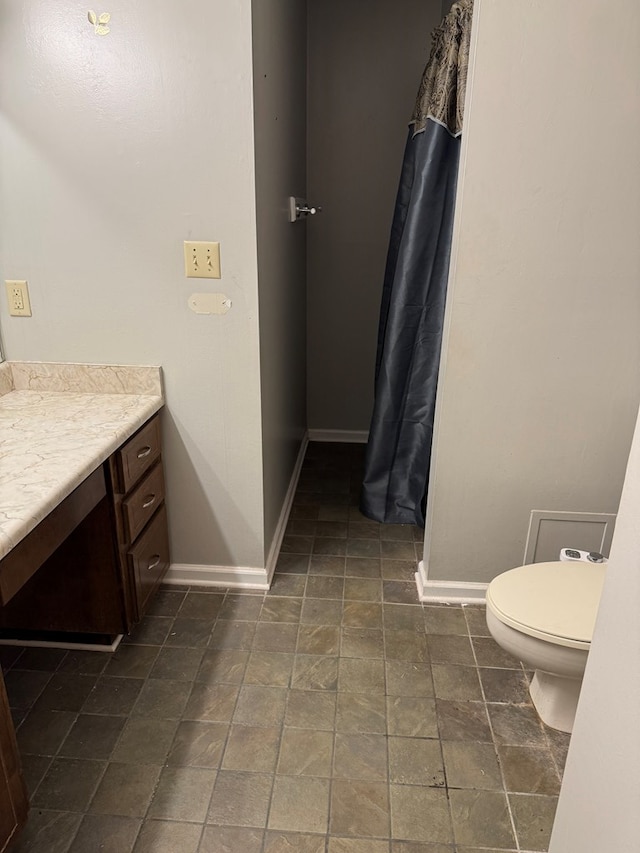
(540, 378)
(364, 69)
(113, 150)
(279, 56)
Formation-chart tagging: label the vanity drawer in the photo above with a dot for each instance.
(139, 454)
(143, 501)
(149, 559)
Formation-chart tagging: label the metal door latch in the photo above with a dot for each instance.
(299, 209)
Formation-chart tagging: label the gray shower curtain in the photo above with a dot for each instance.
(415, 283)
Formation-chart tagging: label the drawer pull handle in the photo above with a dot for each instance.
(145, 451)
(150, 499)
(154, 562)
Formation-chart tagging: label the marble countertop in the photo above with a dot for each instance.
(58, 423)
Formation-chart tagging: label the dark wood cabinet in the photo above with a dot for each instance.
(13, 794)
(149, 559)
(87, 571)
(137, 455)
(82, 570)
(136, 481)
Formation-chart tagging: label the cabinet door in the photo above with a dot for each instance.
(144, 500)
(138, 454)
(13, 795)
(150, 559)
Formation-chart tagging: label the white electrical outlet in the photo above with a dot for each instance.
(18, 297)
(201, 260)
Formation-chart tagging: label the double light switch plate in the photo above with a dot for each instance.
(201, 259)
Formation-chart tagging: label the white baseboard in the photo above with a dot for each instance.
(449, 592)
(55, 644)
(278, 536)
(348, 436)
(237, 577)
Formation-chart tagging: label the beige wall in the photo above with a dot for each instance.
(540, 379)
(279, 55)
(364, 71)
(598, 805)
(115, 149)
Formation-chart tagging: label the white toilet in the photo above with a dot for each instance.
(544, 614)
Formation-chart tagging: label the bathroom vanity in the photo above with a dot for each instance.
(83, 524)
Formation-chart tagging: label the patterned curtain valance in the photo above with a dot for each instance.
(444, 81)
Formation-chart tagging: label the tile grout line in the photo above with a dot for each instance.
(440, 738)
(145, 817)
(493, 738)
(57, 755)
(277, 761)
(334, 731)
(51, 758)
(386, 727)
(391, 616)
(228, 593)
(142, 817)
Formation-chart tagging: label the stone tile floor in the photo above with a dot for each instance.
(332, 715)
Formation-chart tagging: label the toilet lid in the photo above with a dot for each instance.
(556, 601)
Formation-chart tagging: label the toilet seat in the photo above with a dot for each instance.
(557, 602)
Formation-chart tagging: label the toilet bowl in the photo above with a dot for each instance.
(544, 614)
